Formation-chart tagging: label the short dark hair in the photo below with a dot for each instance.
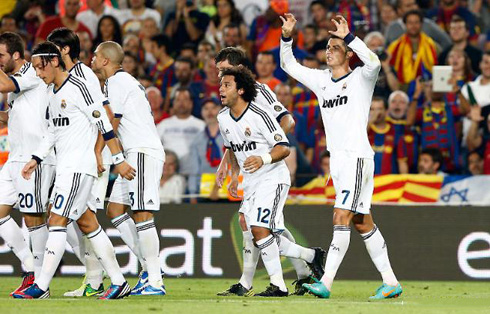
(458, 19)
(235, 56)
(435, 154)
(324, 154)
(319, 2)
(162, 41)
(269, 53)
(382, 99)
(244, 80)
(184, 89)
(347, 48)
(313, 27)
(50, 48)
(14, 43)
(188, 46)
(186, 60)
(413, 12)
(8, 16)
(63, 37)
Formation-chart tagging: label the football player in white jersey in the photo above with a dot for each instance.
(27, 124)
(69, 45)
(74, 118)
(345, 98)
(266, 100)
(133, 121)
(259, 146)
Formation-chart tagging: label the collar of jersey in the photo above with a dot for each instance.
(69, 71)
(64, 82)
(238, 119)
(379, 130)
(118, 71)
(340, 78)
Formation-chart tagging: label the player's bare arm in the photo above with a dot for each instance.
(6, 84)
(4, 117)
(287, 123)
(235, 171)
(278, 153)
(222, 169)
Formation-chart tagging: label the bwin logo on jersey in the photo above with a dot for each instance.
(330, 103)
(61, 121)
(245, 147)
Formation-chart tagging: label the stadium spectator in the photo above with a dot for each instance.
(397, 28)
(475, 163)
(383, 139)
(189, 51)
(204, 50)
(108, 29)
(130, 65)
(209, 88)
(387, 80)
(413, 43)
(443, 14)
(156, 103)
(227, 14)
(96, 10)
(149, 28)
(186, 24)
(478, 91)
(356, 14)
(206, 149)
(477, 139)
(459, 32)
(325, 163)
(163, 72)
(387, 16)
(397, 107)
(321, 18)
(68, 20)
(172, 184)
(184, 70)
(178, 131)
(132, 44)
(265, 66)
(481, 9)
(132, 19)
(436, 118)
(8, 24)
(430, 161)
(232, 37)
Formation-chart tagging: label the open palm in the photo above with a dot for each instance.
(342, 27)
(288, 24)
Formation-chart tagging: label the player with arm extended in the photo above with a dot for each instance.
(27, 101)
(259, 147)
(345, 98)
(133, 121)
(74, 118)
(266, 100)
(68, 43)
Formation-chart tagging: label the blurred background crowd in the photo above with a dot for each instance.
(170, 47)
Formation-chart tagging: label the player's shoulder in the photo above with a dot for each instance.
(121, 77)
(78, 86)
(223, 111)
(26, 69)
(257, 113)
(264, 94)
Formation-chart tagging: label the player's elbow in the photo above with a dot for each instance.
(283, 151)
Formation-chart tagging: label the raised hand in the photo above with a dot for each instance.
(288, 24)
(342, 27)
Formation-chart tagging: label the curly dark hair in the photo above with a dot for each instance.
(51, 51)
(244, 80)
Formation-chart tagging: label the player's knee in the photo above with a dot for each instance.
(342, 217)
(113, 211)
(34, 220)
(242, 222)
(57, 220)
(260, 233)
(142, 216)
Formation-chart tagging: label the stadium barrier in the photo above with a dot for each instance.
(424, 243)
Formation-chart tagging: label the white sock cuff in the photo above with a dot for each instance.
(248, 236)
(120, 219)
(265, 242)
(5, 219)
(57, 229)
(32, 229)
(341, 228)
(366, 236)
(145, 225)
(94, 233)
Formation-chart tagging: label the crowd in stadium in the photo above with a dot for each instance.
(170, 48)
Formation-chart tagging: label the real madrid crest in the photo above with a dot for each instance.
(248, 132)
(344, 86)
(63, 104)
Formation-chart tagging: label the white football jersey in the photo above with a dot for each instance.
(82, 71)
(137, 130)
(74, 117)
(254, 133)
(27, 115)
(344, 102)
(266, 99)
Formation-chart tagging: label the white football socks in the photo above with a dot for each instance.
(126, 226)
(55, 248)
(300, 266)
(250, 255)
(12, 235)
(38, 236)
(149, 244)
(377, 249)
(272, 262)
(93, 268)
(105, 252)
(74, 237)
(336, 253)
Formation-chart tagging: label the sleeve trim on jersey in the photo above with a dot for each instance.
(25, 67)
(266, 94)
(17, 87)
(105, 103)
(279, 117)
(349, 38)
(83, 89)
(264, 116)
(118, 115)
(286, 39)
(283, 144)
(227, 147)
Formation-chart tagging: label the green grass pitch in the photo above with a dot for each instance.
(199, 296)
